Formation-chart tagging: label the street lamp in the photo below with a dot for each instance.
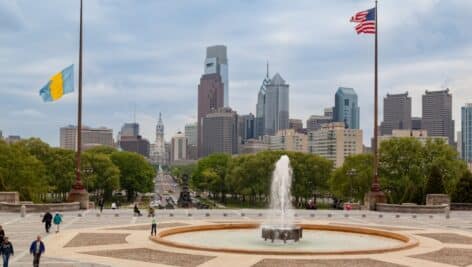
(351, 173)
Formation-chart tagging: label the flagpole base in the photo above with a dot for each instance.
(79, 195)
(371, 198)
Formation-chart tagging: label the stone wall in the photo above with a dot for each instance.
(10, 197)
(9, 207)
(412, 208)
(461, 206)
(437, 199)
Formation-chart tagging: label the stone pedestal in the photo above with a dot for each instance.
(81, 196)
(372, 198)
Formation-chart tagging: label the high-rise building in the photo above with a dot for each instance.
(459, 143)
(315, 122)
(335, 142)
(1, 135)
(220, 132)
(397, 113)
(295, 124)
(216, 62)
(276, 112)
(420, 135)
(466, 132)
(253, 146)
(246, 127)
(346, 107)
(437, 114)
(136, 144)
(191, 132)
(210, 98)
(129, 129)
(157, 150)
(416, 123)
(328, 112)
(91, 137)
(11, 139)
(260, 106)
(178, 147)
(289, 140)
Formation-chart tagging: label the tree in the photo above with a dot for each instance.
(463, 191)
(355, 174)
(136, 174)
(210, 174)
(100, 174)
(434, 183)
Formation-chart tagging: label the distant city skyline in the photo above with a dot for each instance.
(157, 68)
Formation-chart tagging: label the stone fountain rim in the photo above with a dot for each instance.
(407, 240)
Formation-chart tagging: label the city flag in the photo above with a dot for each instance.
(59, 85)
(365, 21)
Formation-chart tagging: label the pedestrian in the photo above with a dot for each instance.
(118, 204)
(154, 226)
(136, 210)
(37, 248)
(100, 204)
(47, 218)
(6, 250)
(2, 234)
(57, 221)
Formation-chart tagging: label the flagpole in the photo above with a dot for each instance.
(78, 192)
(375, 187)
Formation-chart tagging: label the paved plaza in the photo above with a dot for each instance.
(116, 238)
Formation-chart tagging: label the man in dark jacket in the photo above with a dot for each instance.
(2, 234)
(6, 250)
(47, 218)
(37, 248)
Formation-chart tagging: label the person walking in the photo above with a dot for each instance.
(154, 226)
(37, 248)
(57, 221)
(47, 219)
(101, 202)
(2, 234)
(6, 250)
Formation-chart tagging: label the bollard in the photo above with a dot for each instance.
(23, 210)
(242, 214)
(295, 215)
(430, 216)
(312, 215)
(171, 215)
(363, 215)
(117, 215)
(224, 214)
(448, 216)
(346, 215)
(207, 214)
(380, 215)
(397, 216)
(414, 216)
(79, 215)
(189, 215)
(329, 215)
(260, 214)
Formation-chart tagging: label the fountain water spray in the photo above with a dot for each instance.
(280, 225)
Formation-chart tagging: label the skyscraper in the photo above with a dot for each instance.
(246, 127)
(346, 108)
(315, 121)
(210, 98)
(437, 114)
(191, 133)
(158, 148)
(466, 132)
(397, 113)
(216, 62)
(276, 111)
(220, 132)
(130, 140)
(178, 150)
(129, 129)
(91, 137)
(260, 106)
(295, 124)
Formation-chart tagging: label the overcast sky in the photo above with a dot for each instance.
(150, 54)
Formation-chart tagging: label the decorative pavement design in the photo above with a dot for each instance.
(452, 256)
(122, 240)
(153, 256)
(96, 239)
(450, 238)
(323, 263)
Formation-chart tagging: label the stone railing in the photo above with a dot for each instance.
(461, 206)
(412, 208)
(9, 197)
(53, 207)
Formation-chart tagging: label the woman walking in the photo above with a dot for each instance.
(57, 221)
(6, 250)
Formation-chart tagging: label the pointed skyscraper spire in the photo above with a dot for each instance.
(267, 73)
(160, 118)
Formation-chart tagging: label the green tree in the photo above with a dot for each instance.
(463, 191)
(434, 183)
(355, 174)
(210, 174)
(136, 174)
(100, 174)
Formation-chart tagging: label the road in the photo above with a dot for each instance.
(164, 184)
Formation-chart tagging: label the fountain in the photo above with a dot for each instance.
(280, 225)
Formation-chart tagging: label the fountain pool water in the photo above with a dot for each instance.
(280, 225)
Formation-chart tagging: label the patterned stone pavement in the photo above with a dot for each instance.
(116, 238)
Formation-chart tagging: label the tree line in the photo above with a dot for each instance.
(38, 171)
(408, 171)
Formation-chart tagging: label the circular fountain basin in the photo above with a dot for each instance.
(281, 232)
(317, 240)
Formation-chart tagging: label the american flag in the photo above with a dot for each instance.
(365, 20)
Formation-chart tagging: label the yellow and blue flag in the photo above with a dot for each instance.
(59, 85)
